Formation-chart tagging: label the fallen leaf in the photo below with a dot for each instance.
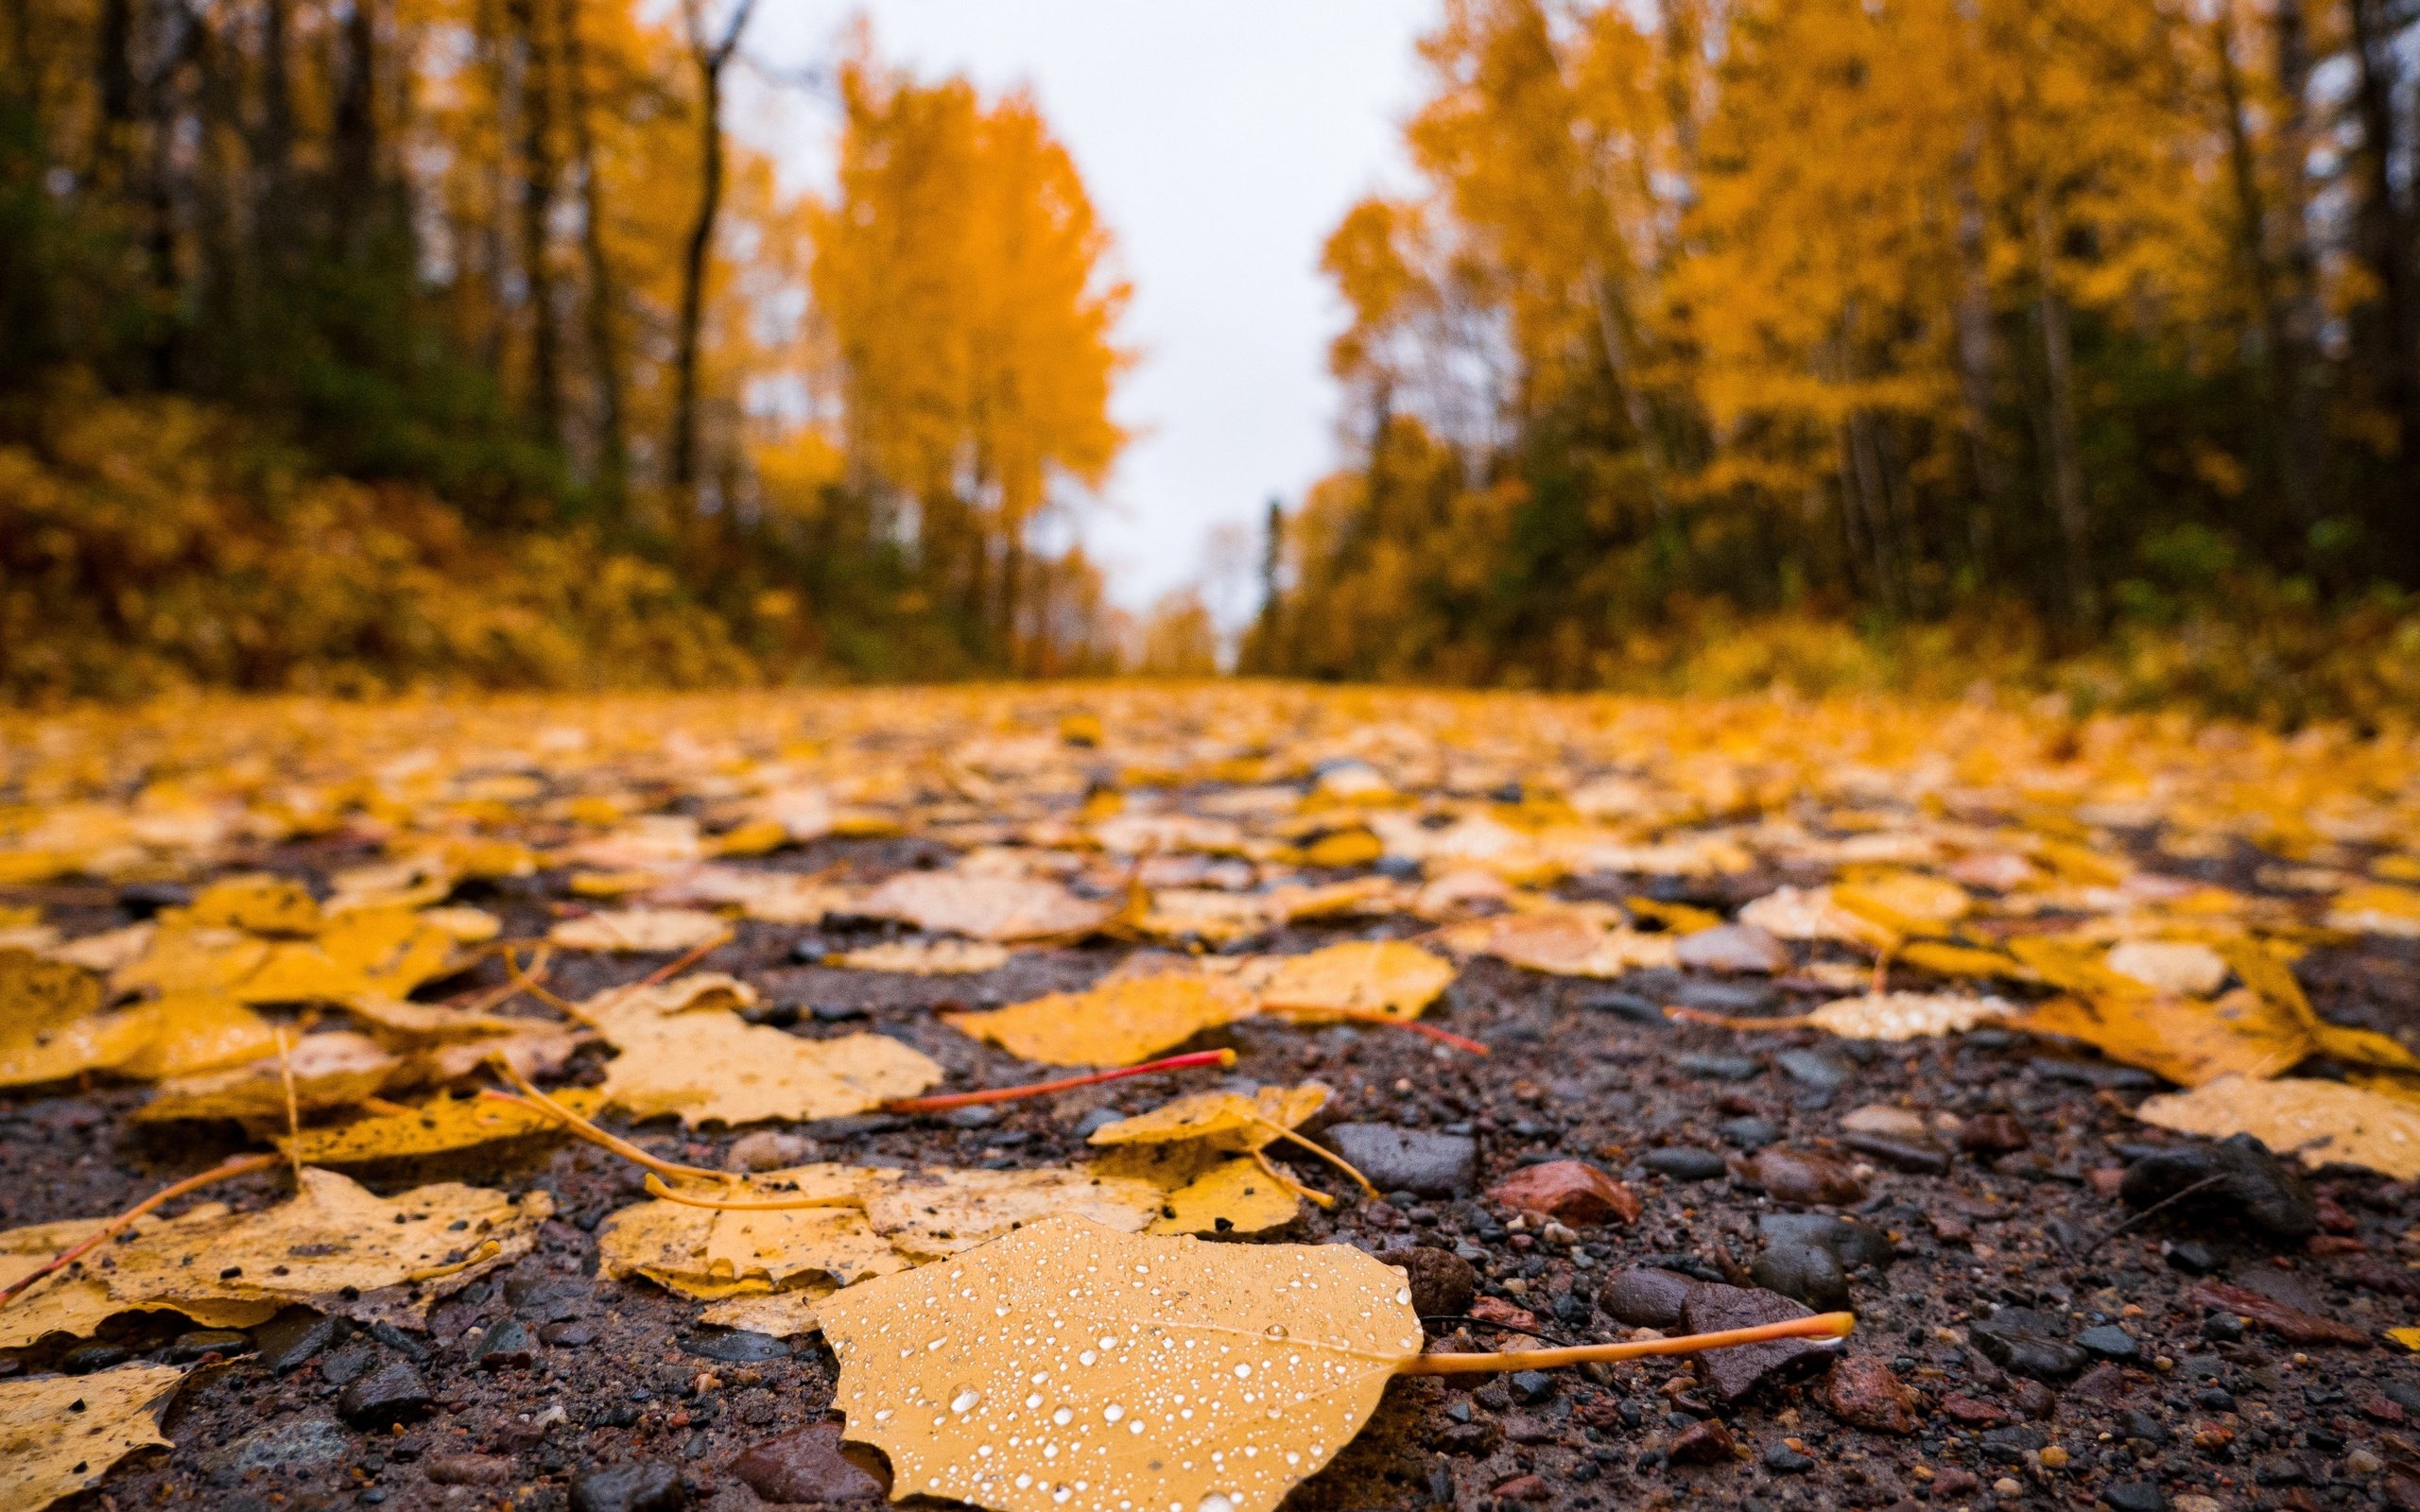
(929, 1214)
(682, 1052)
(997, 909)
(440, 1126)
(187, 959)
(2289, 1323)
(60, 1435)
(1943, 958)
(408, 1022)
(1390, 978)
(258, 904)
(1563, 945)
(386, 951)
(637, 930)
(2187, 1042)
(1811, 913)
(784, 1315)
(108, 952)
(1201, 913)
(2318, 1121)
(1907, 1015)
(1116, 1024)
(186, 1034)
(2264, 971)
(1228, 1121)
(1159, 1372)
(924, 957)
(36, 992)
(1231, 1197)
(332, 1070)
(1904, 902)
(2376, 909)
(2183, 967)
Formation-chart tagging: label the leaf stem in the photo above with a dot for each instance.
(1817, 1326)
(657, 1187)
(240, 1165)
(1316, 1198)
(1010, 1094)
(1321, 1151)
(532, 1097)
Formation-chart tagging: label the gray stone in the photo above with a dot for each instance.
(2025, 1342)
(506, 1346)
(2110, 1342)
(1749, 1133)
(769, 1150)
(1734, 1373)
(1810, 1275)
(1813, 1068)
(736, 1346)
(2246, 1183)
(1720, 1068)
(1645, 1297)
(1408, 1159)
(301, 1443)
(2134, 1496)
(295, 1335)
(630, 1488)
(393, 1393)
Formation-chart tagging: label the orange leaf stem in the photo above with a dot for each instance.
(240, 1165)
(1818, 1326)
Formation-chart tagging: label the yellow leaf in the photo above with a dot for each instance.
(635, 931)
(2319, 1121)
(1204, 914)
(186, 1034)
(707, 1066)
(1116, 1024)
(332, 1070)
(1812, 913)
(1002, 909)
(181, 959)
(464, 926)
(754, 838)
(781, 1315)
(1233, 1197)
(382, 950)
(1279, 1352)
(2378, 910)
(30, 1057)
(1223, 1121)
(1345, 848)
(60, 1435)
(2265, 971)
(35, 992)
(408, 1022)
(1944, 959)
(612, 884)
(440, 1126)
(1566, 945)
(932, 1213)
(258, 904)
(924, 957)
(2190, 1043)
(1677, 919)
(2184, 967)
(1908, 1015)
(1389, 977)
(1905, 902)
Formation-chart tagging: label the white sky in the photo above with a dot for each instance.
(1221, 141)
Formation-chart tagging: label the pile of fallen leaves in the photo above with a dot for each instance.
(1904, 872)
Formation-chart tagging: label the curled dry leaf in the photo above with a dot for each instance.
(60, 1434)
(329, 1071)
(2319, 1121)
(1116, 1024)
(997, 909)
(1150, 1372)
(1390, 978)
(924, 957)
(637, 930)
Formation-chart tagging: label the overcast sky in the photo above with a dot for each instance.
(1221, 140)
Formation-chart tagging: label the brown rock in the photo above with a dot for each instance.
(2289, 1323)
(1732, 1374)
(1706, 1443)
(1570, 1192)
(1949, 1481)
(1497, 1310)
(2033, 1398)
(1645, 1297)
(811, 1463)
(1972, 1410)
(468, 1470)
(1801, 1176)
(2107, 1182)
(1993, 1134)
(1863, 1392)
(2104, 1381)
(2327, 1244)
(1443, 1282)
(1524, 1489)
(769, 1150)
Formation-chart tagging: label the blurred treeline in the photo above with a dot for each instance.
(1885, 341)
(355, 343)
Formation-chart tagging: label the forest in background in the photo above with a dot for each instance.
(352, 345)
(1844, 341)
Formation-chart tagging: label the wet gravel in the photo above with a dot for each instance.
(2017, 1344)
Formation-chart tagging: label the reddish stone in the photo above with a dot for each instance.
(1497, 1310)
(1972, 1410)
(2336, 1245)
(2289, 1323)
(1993, 1134)
(2107, 1182)
(1524, 1489)
(2373, 1405)
(2333, 1217)
(2102, 1382)
(1570, 1192)
(1706, 1443)
(1862, 1392)
(1801, 1176)
(1950, 1481)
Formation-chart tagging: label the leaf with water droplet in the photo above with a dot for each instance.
(1185, 1320)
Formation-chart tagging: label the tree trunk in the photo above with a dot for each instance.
(604, 345)
(1977, 357)
(113, 66)
(710, 61)
(2061, 432)
(356, 131)
(2385, 231)
(2289, 468)
(538, 180)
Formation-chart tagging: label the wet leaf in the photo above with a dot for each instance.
(440, 1126)
(1116, 1024)
(258, 904)
(1560, 944)
(1057, 1355)
(684, 1052)
(783, 1315)
(2318, 1121)
(60, 1434)
(931, 1213)
(1908, 1015)
(1231, 1197)
(1220, 1121)
(2187, 1042)
(330, 1071)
